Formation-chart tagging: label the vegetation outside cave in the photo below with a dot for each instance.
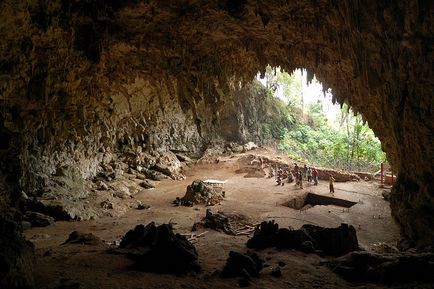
(300, 120)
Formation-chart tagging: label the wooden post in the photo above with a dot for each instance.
(382, 174)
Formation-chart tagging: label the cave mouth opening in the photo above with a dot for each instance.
(313, 127)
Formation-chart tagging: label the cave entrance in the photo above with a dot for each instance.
(306, 123)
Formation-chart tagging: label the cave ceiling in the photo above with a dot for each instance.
(376, 56)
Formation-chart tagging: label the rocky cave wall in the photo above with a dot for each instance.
(80, 79)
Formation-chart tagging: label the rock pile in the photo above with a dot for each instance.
(309, 238)
(242, 265)
(158, 249)
(231, 224)
(216, 221)
(200, 193)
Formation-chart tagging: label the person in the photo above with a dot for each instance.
(309, 174)
(300, 179)
(296, 170)
(279, 180)
(331, 180)
(290, 177)
(271, 173)
(315, 176)
(305, 171)
(280, 176)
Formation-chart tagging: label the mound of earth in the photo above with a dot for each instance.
(251, 172)
(201, 193)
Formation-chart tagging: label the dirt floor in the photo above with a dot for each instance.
(258, 198)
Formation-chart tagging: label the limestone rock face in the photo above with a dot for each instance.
(83, 80)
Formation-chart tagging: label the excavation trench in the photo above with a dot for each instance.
(309, 200)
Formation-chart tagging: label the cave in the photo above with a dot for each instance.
(83, 83)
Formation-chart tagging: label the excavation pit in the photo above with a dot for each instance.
(310, 200)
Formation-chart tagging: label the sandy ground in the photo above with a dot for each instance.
(258, 198)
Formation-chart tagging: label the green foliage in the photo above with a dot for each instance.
(277, 118)
(349, 144)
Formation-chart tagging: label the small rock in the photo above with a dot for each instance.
(141, 206)
(107, 205)
(405, 244)
(40, 236)
(386, 195)
(307, 247)
(276, 272)
(77, 237)
(146, 185)
(101, 186)
(26, 225)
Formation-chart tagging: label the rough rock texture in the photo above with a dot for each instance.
(82, 80)
(158, 249)
(16, 257)
(201, 193)
(370, 267)
(239, 264)
(77, 237)
(309, 238)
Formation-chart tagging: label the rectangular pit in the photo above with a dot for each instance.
(309, 200)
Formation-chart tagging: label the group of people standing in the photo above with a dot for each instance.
(309, 174)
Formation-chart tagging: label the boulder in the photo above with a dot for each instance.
(264, 236)
(238, 264)
(249, 146)
(168, 164)
(333, 241)
(184, 158)
(38, 219)
(154, 175)
(63, 209)
(77, 237)
(158, 249)
(330, 241)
